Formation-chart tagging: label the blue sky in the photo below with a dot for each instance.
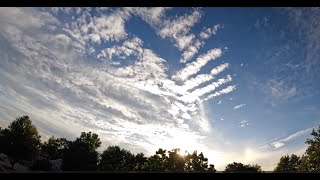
(239, 84)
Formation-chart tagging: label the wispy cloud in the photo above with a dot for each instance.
(202, 78)
(129, 47)
(193, 49)
(223, 91)
(194, 67)
(178, 29)
(278, 143)
(207, 32)
(278, 91)
(238, 106)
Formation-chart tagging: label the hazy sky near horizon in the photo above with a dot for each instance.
(239, 84)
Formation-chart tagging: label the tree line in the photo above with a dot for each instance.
(21, 142)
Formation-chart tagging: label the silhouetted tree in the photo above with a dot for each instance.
(310, 161)
(197, 163)
(176, 162)
(239, 167)
(157, 162)
(55, 147)
(140, 160)
(82, 155)
(20, 140)
(288, 164)
(116, 159)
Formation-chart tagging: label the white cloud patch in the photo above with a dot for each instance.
(219, 102)
(207, 32)
(223, 91)
(193, 49)
(238, 106)
(202, 78)
(128, 48)
(194, 67)
(178, 29)
(244, 123)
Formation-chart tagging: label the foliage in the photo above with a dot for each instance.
(310, 161)
(288, 164)
(239, 167)
(198, 163)
(116, 159)
(81, 154)
(20, 140)
(55, 147)
(157, 162)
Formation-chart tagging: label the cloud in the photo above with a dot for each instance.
(194, 67)
(193, 49)
(276, 143)
(104, 26)
(219, 102)
(305, 21)
(238, 106)
(54, 75)
(207, 32)
(244, 123)
(202, 78)
(190, 52)
(129, 47)
(178, 29)
(153, 16)
(279, 91)
(223, 91)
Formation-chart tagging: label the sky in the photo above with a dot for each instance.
(238, 84)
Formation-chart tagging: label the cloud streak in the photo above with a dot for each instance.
(238, 106)
(194, 67)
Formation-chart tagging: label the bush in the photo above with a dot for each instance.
(41, 165)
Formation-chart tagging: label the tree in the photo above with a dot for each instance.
(197, 163)
(157, 162)
(239, 167)
(310, 161)
(55, 147)
(20, 140)
(81, 154)
(116, 159)
(288, 164)
(176, 162)
(140, 160)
